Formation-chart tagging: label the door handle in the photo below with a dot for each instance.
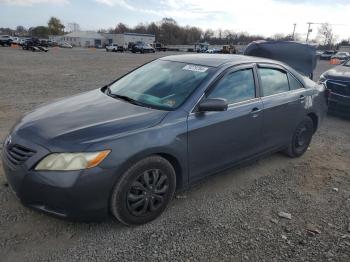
(302, 98)
(255, 111)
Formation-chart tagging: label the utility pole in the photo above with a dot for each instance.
(309, 30)
(293, 36)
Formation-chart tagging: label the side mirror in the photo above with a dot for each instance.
(213, 104)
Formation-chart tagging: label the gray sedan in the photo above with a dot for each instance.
(125, 148)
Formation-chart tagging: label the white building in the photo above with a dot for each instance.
(81, 38)
(126, 38)
(94, 39)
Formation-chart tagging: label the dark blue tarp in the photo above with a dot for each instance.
(299, 56)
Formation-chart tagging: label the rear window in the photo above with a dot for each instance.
(273, 81)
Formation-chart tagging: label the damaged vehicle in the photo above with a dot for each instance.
(302, 57)
(124, 149)
(33, 44)
(337, 81)
(327, 55)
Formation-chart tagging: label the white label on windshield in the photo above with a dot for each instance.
(195, 68)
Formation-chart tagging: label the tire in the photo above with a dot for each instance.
(301, 138)
(149, 184)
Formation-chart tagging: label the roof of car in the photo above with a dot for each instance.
(215, 60)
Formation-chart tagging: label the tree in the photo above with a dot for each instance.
(6, 31)
(326, 35)
(21, 30)
(121, 28)
(55, 26)
(208, 34)
(40, 31)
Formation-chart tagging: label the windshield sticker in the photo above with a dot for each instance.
(195, 68)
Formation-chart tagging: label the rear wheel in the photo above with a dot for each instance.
(301, 138)
(143, 191)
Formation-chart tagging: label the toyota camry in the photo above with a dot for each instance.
(124, 149)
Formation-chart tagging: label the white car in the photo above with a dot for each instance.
(15, 40)
(22, 41)
(65, 45)
(341, 56)
(114, 48)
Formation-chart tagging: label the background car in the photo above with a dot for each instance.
(65, 45)
(114, 48)
(327, 55)
(34, 44)
(22, 41)
(302, 57)
(5, 40)
(337, 81)
(341, 56)
(141, 47)
(15, 40)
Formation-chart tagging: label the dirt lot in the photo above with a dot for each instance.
(229, 217)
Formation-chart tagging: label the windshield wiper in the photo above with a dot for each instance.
(125, 98)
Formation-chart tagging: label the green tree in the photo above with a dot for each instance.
(40, 31)
(55, 26)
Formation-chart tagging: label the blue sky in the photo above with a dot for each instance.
(265, 17)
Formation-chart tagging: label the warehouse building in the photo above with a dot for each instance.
(127, 38)
(81, 39)
(94, 39)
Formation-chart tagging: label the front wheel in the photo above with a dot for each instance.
(143, 191)
(301, 138)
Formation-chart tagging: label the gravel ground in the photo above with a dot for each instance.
(233, 216)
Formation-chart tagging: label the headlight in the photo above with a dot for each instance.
(322, 79)
(71, 161)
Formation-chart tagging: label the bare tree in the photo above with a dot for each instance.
(73, 27)
(21, 30)
(326, 35)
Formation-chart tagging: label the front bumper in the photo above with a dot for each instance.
(339, 104)
(78, 195)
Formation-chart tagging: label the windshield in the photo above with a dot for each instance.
(347, 63)
(161, 84)
(328, 52)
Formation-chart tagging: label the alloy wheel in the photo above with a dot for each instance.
(147, 192)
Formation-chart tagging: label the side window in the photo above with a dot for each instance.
(294, 83)
(273, 81)
(235, 87)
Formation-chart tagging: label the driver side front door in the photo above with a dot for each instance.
(219, 139)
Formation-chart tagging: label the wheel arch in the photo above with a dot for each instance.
(314, 119)
(177, 167)
(180, 169)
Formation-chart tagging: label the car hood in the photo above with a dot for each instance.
(301, 57)
(338, 73)
(81, 120)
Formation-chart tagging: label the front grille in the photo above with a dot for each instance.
(17, 154)
(339, 87)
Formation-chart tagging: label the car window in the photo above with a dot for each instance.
(161, 84)
(294, 83)
(273, 81)
(235, 87)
